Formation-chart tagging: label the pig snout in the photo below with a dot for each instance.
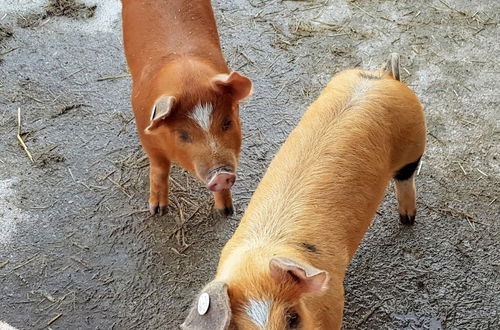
(223, 181)
(220, 178)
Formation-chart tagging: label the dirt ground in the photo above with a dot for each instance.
(78, 249)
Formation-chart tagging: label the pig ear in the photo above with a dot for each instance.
(211, 309)
(240, 85)
(391, 66)
(308, 278)
(161, 110)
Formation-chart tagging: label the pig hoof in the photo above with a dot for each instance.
(163, 209)
(160, 210)
(407, 219)
(153, 209)
(227, 211)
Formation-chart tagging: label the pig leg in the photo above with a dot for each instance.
(406, 193)
(158, 186)
(224, 202)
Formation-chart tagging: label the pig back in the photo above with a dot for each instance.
(328, 178)
(154, 31)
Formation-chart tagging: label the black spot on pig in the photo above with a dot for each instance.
(309, 247)
(406, 171)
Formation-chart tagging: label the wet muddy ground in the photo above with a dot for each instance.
(78, 249)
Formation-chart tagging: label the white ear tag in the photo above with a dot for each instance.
(203, 303)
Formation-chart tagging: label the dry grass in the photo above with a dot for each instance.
(69, 8)
(54, 8)
(5, 33)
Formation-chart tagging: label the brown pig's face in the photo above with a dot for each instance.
(206, 140)
(276, 302)
(255, 297)
(199, 128)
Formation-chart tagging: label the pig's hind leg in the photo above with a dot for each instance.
(158, 186)
(404, 180)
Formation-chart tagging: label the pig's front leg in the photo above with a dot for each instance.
(158, 186)
(224, 202)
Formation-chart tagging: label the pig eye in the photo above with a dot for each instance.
(227, 124)
(184, 136)
(292, 319)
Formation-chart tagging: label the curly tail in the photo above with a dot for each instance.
(392, 66)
